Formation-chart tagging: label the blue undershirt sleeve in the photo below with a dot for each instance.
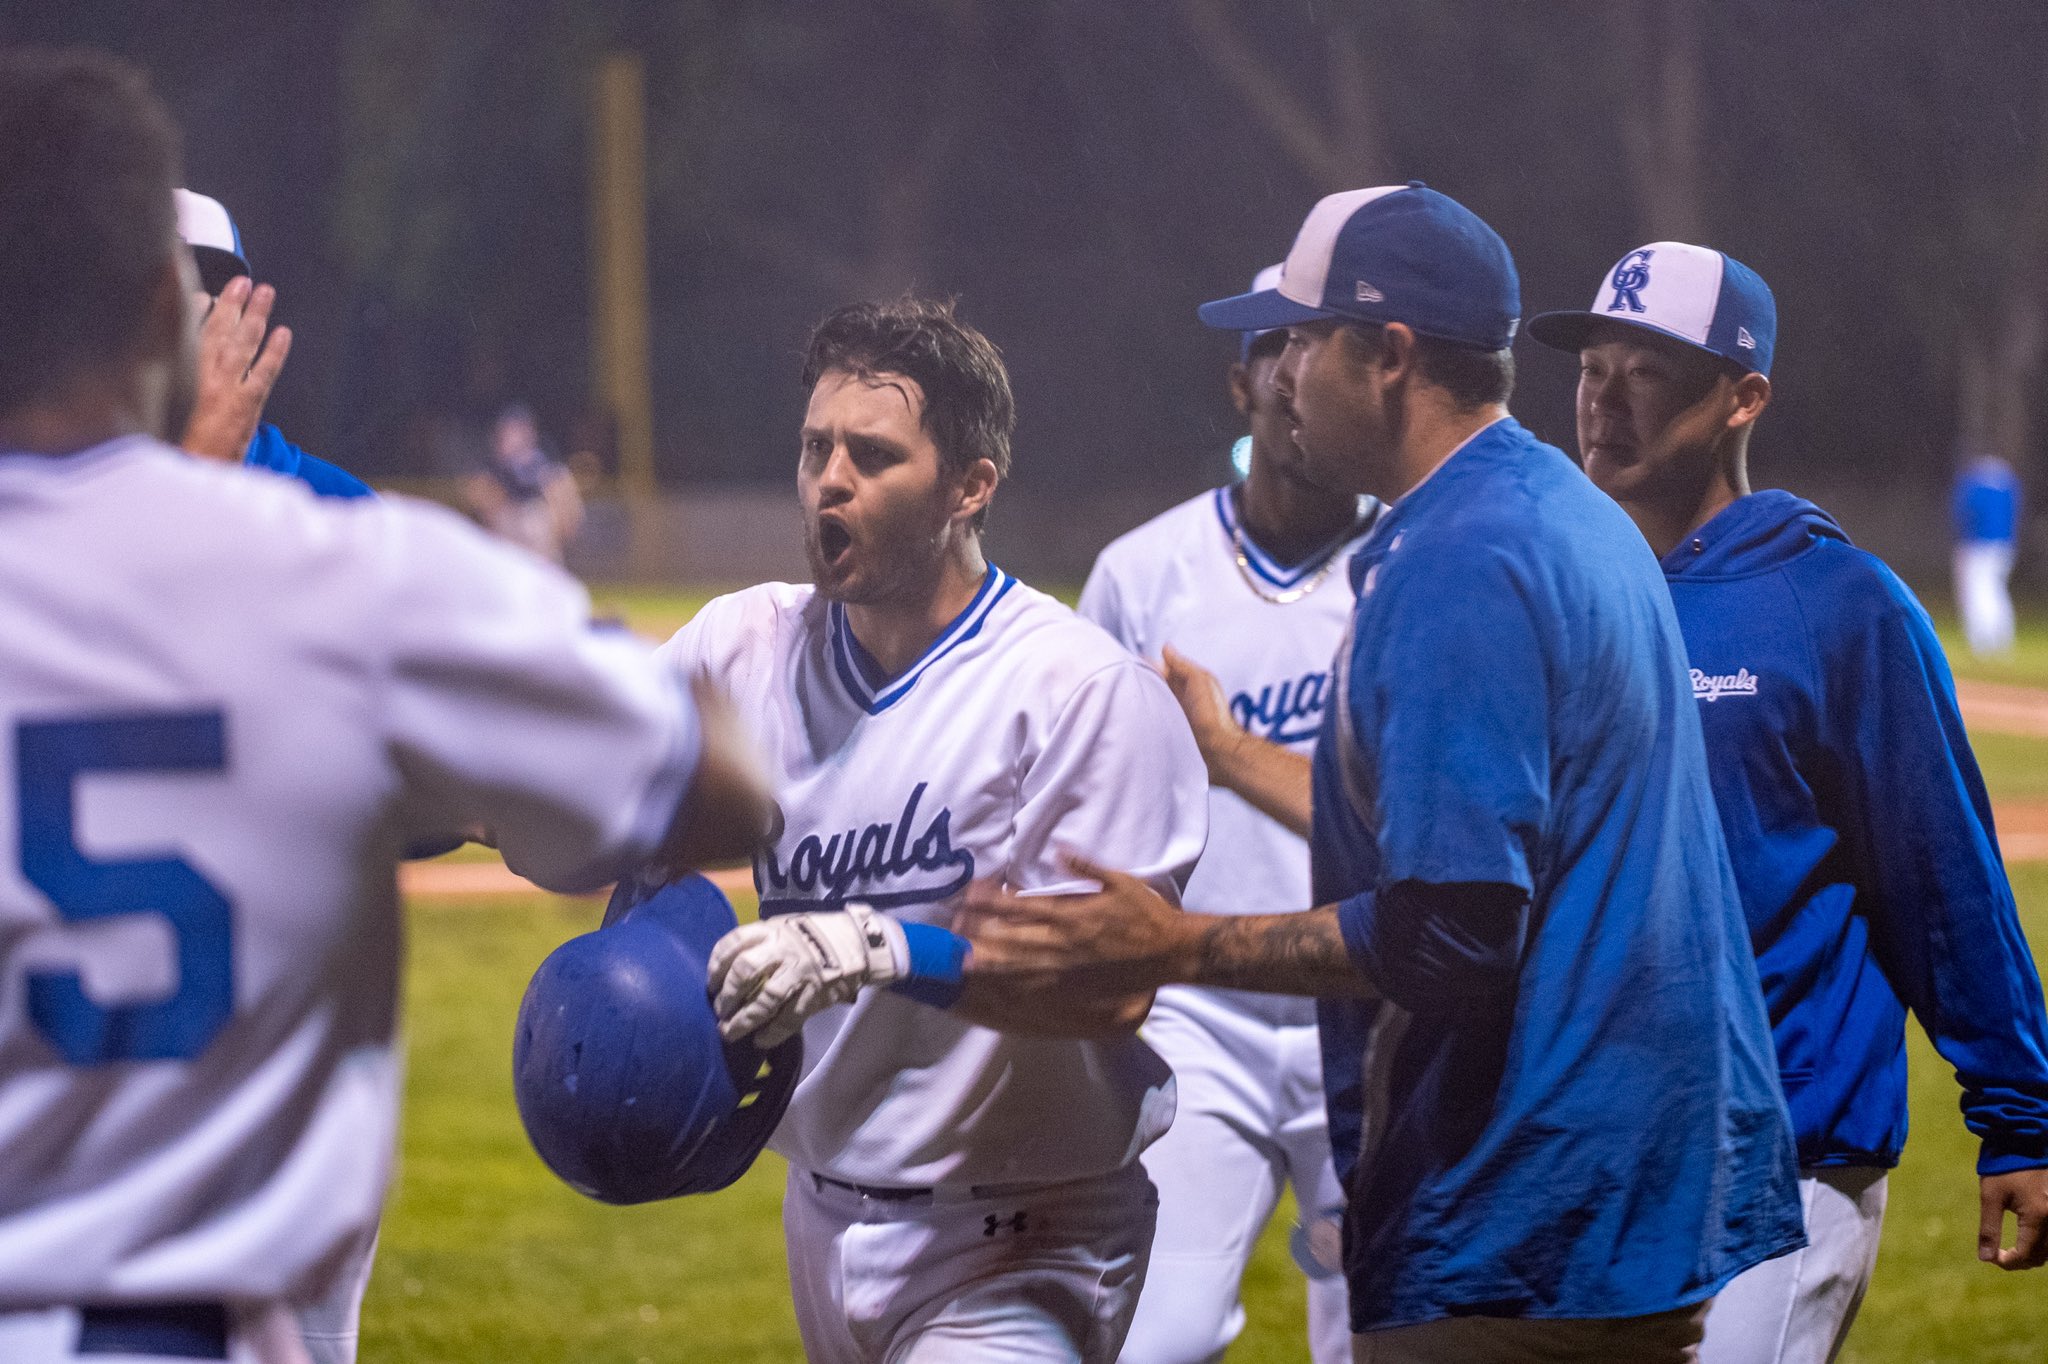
(1439, 949)
(938, 965)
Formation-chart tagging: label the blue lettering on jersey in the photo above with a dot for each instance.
(1289, 713)
(859, 864)
(50, 756)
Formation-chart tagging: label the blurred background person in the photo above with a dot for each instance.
(1987, 517)
(522, 494)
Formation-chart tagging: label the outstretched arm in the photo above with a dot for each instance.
(1127, 939)
(1274, 779)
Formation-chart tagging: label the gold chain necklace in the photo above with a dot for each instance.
(1282, 598)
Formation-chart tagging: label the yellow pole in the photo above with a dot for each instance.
(621, 367)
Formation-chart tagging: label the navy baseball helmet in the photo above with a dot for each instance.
(625, 1087)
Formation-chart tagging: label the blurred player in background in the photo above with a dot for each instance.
(227, 705)
(240, 357)
(963, 1185)
(1547, 1062)
(1986, 509)
(1856, 818)
(522, 495)
(1247, 578)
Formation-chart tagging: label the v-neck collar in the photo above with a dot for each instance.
(858, 671)
(1263, 564)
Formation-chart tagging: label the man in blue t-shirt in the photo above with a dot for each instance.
(1549, 1069)
(1986, 508)
(1856, 819)
(240, 357)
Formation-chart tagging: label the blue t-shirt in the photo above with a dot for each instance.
(1987, 502)
(268, 449)
(1567, 1101)
(1861, 837)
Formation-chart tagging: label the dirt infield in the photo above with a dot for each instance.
(2002, 709)
(1987, 706)
(454, 880)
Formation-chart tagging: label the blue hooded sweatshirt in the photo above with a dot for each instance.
(1861, 837)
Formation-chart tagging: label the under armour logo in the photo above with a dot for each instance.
(1629, 279)
(1368, 294)
(993, 1224)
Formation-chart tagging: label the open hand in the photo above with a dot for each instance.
(1202, 700)
(240, 357)
(1124, 939)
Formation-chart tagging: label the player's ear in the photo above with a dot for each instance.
(172, 323)
(1752, 396)
(1241, 388)
(976, 489)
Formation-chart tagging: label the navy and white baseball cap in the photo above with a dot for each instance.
(204, 225)
(1697, 294)
(1268, 278)
(1396, 253)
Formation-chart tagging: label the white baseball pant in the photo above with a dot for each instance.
(1250, 1120)
(1798, 1308)
(1040, 1274)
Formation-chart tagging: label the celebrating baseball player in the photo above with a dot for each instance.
(963, 1174)
(1249, 578)
(228, 704)
(1855, 815)
(1547, 1060)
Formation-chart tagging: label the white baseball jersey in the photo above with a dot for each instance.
(1021, 733)
(1178, 580)
(226, 706)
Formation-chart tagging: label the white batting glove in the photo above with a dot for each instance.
(766, 978)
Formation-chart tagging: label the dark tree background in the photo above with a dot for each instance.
(1082, 173)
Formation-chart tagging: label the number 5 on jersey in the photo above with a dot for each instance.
(50, 757)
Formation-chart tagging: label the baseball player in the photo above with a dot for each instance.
(1547, 1060)
(963, 1184)
(1248, 577)
(240, 357)
(226, 706)
(1985, 508)
(1855, 815)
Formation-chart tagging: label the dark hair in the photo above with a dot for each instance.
(1472, 377)
(968, 410)
(88, 160)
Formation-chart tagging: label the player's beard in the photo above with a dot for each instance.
(881, 565)
(181, 396)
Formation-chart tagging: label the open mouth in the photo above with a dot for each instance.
(833, 541)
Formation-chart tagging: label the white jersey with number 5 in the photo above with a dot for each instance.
(1022, 733)
(224, 707)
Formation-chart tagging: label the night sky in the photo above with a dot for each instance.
(411, 176)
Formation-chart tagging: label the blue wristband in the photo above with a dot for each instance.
(938, 965)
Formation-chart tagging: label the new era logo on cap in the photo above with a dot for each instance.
(1694, 293)
(1393, 253)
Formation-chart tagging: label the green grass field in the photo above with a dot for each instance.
(486, 1257)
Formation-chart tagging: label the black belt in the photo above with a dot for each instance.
(169, 1330)
(881, 1193)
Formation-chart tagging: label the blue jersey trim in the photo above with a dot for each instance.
(854, 664)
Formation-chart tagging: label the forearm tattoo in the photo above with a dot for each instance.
(1285, 954)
